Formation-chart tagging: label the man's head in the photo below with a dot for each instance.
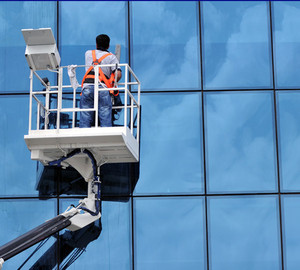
(102, 42)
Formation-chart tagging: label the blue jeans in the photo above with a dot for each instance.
(87, 119)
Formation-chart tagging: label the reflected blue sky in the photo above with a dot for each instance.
(243, 233)
(289, 139)
(17, 170)
(165, 235)
(171, 144)
(236, 44)
(286, 24)
(165, 57)
(291, 231)
(112, 249)
(240, 142)
(26, 14)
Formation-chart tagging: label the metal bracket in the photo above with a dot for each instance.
(82, 219)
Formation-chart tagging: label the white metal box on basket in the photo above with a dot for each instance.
(41, 50)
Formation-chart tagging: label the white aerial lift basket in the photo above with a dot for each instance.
(48, 140)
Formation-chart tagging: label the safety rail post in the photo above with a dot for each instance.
(138, 114)
(131, 115)
(74, 107)
(38, 116)
(131, 105)
(125, 97)
(59, 97)
(47, 107)
(30, 99)
(96, 93)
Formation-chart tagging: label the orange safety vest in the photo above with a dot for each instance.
(90, 74)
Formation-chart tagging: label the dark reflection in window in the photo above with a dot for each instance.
(17, 170)
(291, 231)
(236, 44)
(286, 24)
(165, 44)
(171, 144)
(289, 139)
(14, 16)
(19, 217)
(112, 248)
(169, 233)
(240, 142)
(244, 233)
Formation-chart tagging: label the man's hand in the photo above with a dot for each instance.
(119, 74)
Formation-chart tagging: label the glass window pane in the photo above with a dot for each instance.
(286, 24)
(14, 16)
(112, 248)
(165, 44)
(19, 217)
(169, 233)
(240, 142)
(82, 21)
(244, 233)
(17, 170)
(289, 139)
(171, 144)
(291, 231)
(236, 44)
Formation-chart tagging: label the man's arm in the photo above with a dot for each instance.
(118, 70)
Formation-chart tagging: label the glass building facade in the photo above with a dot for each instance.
(219, 174)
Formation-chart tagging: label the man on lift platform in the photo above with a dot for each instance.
(107, 78)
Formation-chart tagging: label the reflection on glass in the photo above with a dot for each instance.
(286, 24)
(19, 217)
(240, 142)
(244, 233)
(236, 44)
(112, 248)
(14, 16)
(165, 44)
(82, 21)
(291, 231)
(17, 170)
(169, 233)
(289, 139)
(171, 144)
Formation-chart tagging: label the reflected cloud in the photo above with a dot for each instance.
(82, 21)
(164, 57)
(291, 233)
(240, 227)
(169, 244)
(240, 142)
(29, 14)
(240, 55)
(287, 43)
(17, 171)
(171, 141)
(289, 139)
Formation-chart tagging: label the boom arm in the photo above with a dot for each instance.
(34, 236)
(75, 218)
